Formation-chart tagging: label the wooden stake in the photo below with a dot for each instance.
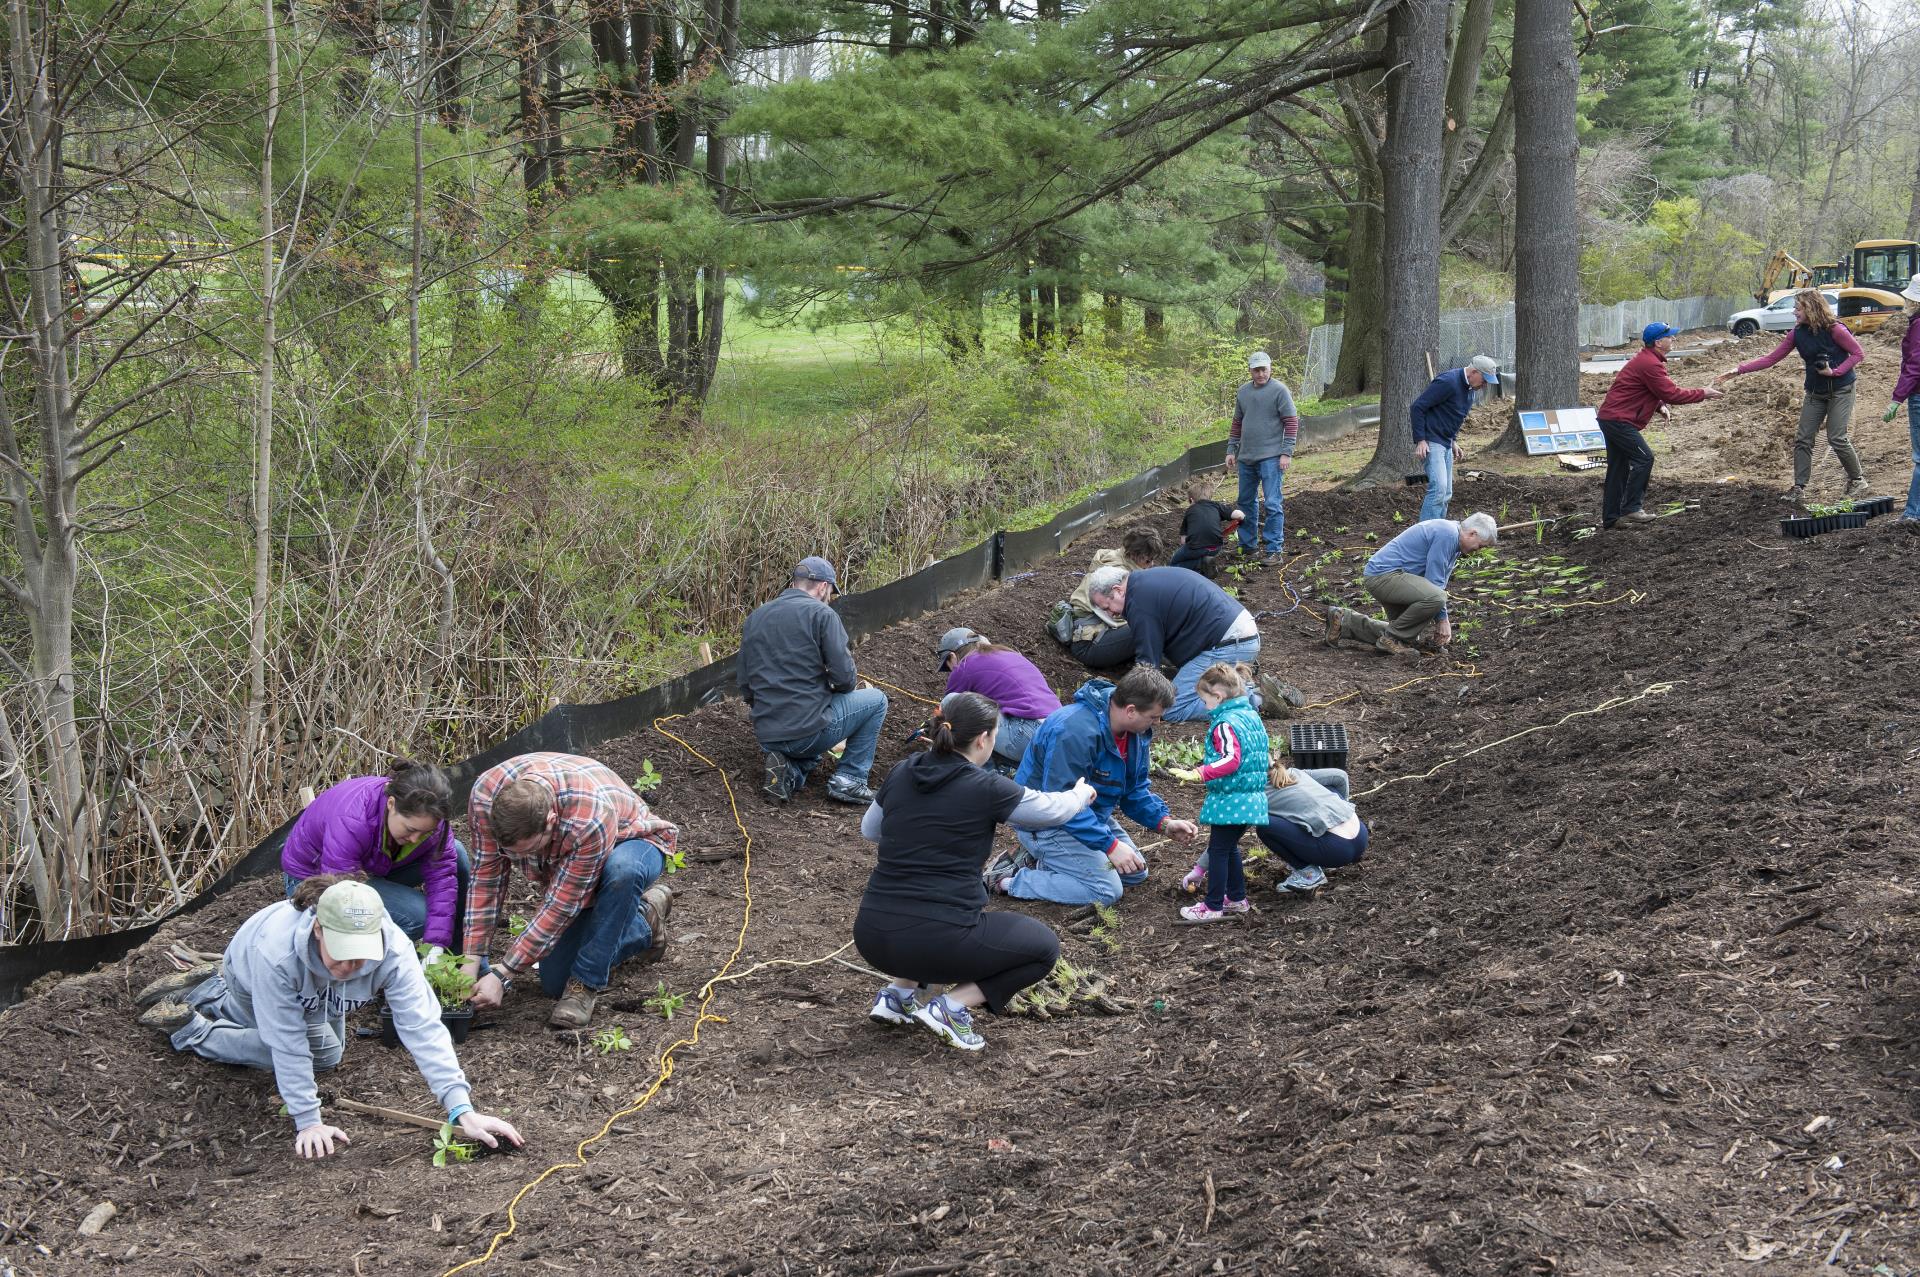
(306, 797)
(392, 1115)
(706, 653)
(1431, 374)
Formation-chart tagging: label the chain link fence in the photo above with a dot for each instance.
(1489, 331)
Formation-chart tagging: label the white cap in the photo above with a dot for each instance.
(1913, 289)
(1258, 359)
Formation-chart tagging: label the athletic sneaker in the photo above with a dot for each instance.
(849, 791)
(1795, 494)
(1196, 879)
(1242, 905)
(1309, 878)
(999, 869)
(951, 1023)
(1201, 911)
(778, 784)
(1859, 488)
(895, 1005)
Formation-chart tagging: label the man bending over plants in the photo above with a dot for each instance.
(280, 995)
(595, 852)
(1104, 735)
(1409, 576)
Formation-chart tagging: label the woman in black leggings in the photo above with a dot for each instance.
(923, 918)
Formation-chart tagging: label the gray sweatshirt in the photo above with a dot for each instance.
(273, 971)
(793, 659)
(1316, 801)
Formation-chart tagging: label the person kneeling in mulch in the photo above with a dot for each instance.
(588, 842)
(1311, 825)
(280, 996)
(923, 919)
(1099, 640)
(1409, 576)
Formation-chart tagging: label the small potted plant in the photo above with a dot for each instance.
(451, 985)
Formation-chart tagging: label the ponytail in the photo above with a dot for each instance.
(960, 720)
(307, 894)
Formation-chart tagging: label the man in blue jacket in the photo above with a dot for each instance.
(1104, 735)
(1437, 416)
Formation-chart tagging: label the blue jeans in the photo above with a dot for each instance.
(403, 893)
(1439, 480)
(1293, 844)
(1266, 521)
(1913, 433)
(1188, 708)
(611, 929)
(224, 1030)
(1015, 734)
(1068, 872)
(1226, 867)
(855, 717)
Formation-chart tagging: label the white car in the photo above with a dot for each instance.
(1775, 317)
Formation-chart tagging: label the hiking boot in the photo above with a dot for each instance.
(1392, 646)
(1858, 488)
(1279, 699)
(1638, 516)
(1273, 559)
(1309, 878)
(952, 1023)
(176, 982)
(655, 906)
(894, 1005)
(1796, 494)
(1336, 626)
(169, 1015)
(1242, 905)
(842, 790)
(574, 1011)
(1200, 911)
(1196, 880)
(778, 785)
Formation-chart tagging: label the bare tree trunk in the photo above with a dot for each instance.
(1547, 214)
(1410, 173)
(262, 448)
(1360, 367)
(422, 413)
(14, 769)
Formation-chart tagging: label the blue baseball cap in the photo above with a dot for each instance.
(1655, 331)
(815, 568)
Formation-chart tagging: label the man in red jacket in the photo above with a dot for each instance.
(1639, 390)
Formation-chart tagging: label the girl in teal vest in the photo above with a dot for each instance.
(1236, 774)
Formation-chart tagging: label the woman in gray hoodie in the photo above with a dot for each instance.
(280, 996)
(1311, 826)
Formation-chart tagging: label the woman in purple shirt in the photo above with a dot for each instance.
(1831, 354)
(394, 829)
(1005, 677)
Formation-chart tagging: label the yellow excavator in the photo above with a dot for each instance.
(1867, 285)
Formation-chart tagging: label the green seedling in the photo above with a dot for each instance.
(676, 861)
(1105, 930)
(612, 1038)
(1398, 517)
(516, 924)
(1820, 508)
(1373, 536)
(1168, 755)
(447, 1147)
(447, 977)
(665, 1003)
(648, 779)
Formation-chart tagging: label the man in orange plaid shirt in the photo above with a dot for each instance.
(594, 850)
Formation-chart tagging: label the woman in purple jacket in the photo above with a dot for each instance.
(1004, 677)
(394, 829)
(1906, 389)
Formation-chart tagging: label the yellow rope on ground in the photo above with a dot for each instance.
(915, 696)
(1463, 672)
(666, 1063)
(1654, 689)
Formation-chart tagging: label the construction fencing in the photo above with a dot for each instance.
(1489, 331)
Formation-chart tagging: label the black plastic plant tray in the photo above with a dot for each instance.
(1873, 507)
(1317, 744)
(1799, 526)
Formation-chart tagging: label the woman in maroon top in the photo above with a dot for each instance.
(1830, 354)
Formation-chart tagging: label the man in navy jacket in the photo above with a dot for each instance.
(1436, 417)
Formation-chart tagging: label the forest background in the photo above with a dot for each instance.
(378, 374)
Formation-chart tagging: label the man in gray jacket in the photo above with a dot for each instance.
(280, 996)
(796, 675)
(1266, 426)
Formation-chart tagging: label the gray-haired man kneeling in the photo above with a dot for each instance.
(1409, 575)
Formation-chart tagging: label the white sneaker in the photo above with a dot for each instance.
(895, 1005)
(1310, 878)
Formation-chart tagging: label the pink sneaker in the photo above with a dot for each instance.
(1242, 905)
(1196, 879)
(1199, 912)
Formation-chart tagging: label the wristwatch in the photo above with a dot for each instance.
(504, 975)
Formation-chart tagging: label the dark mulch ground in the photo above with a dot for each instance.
(1630, 996)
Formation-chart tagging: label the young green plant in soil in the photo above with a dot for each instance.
(664, 1002)
(1819, 509)
(612, 1038)
(449, 1148)
(452, 985)
(1184, 754)
(648, 779)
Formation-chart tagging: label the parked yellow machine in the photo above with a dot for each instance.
(1867, 284)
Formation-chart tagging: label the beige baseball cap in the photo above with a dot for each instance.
(350, 915)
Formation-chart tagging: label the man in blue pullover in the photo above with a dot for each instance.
(1409, 576)
(1437, 416)
(1104, 735)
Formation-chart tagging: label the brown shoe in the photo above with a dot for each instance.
(655, 906)
(169, 1015)
(1336, 626)
(176, 982)
(575, 1010)
(1393, 647)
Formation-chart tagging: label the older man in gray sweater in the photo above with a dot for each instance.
(1266, 426)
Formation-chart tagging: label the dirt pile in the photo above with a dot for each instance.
(1631, 993)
